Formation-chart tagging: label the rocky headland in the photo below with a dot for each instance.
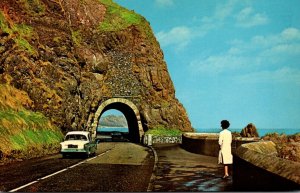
(69, 56)
(113, 121)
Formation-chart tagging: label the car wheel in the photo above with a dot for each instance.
(64, 155)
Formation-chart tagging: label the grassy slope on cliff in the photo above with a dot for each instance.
(118, 18)
(23, 133)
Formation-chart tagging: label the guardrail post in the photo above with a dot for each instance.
(149, 139)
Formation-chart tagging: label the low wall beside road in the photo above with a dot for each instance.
(152, 139)
(256, 166)
(207, 143)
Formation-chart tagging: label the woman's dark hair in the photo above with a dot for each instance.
(225, 124)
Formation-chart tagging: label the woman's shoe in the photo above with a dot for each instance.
(226, 176)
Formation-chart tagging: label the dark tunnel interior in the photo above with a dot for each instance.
(131, 118)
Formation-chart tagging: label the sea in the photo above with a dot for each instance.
(111, 129)
(261, 132)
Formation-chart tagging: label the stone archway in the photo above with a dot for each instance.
(130, 112)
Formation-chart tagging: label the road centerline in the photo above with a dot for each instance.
(58, 172)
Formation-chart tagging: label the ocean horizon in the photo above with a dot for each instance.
(261, 132)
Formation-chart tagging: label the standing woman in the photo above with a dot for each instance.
(225, 139)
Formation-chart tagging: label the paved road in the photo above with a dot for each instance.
(181, 171)
(117, 167)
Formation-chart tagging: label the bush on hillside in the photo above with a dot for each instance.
(162, 131)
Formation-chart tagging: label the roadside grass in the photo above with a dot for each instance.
(162, 131)
(24, 133)
(37, 138)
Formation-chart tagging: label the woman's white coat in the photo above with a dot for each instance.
(225, 139)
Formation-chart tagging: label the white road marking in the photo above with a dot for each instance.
(55, 173)
(16, 189)
(60, 171)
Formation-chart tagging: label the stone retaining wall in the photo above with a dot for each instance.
(258, 162)
(207, 143)
(255, 165)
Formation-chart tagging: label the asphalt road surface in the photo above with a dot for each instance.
(181, 171)
(117, 167)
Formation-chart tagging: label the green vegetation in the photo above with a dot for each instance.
(30, 138)
(76, 37)
(118, 18)
(3, 25)
(162, 131)
(24, 44)
(20, 32)
(34, 7)
(24, 133)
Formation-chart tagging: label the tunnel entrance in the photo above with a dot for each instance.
(112, 126)
(131, 113)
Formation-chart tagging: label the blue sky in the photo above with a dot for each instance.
(235, 60)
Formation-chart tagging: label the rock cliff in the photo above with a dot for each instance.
(69, 56)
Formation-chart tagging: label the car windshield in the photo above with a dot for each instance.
(76, 137)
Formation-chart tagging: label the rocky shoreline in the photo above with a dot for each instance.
(288, 146)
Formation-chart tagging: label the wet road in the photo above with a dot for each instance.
(180, 171)
(117, 167)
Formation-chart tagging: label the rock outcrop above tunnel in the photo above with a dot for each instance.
(70, 56)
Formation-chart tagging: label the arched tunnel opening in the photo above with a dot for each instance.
(112, 126)
(131, 113)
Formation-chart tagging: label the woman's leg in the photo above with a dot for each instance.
(226, 170)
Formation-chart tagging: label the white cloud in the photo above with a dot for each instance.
(215, 65)
(280, 45)
(281, 75)
(248, 18)
(291, 34)
(288, 35)
(178, 36)
(225, 10)
(164, 3)
(257, 55)
(283, 49)
(221, 12)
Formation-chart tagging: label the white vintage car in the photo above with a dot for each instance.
(78, 142)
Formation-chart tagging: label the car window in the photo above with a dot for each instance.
(76, 137)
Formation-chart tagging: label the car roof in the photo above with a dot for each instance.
(78, 132)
